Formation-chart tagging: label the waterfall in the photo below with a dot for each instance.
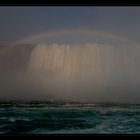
(104, 61)
(79, 72)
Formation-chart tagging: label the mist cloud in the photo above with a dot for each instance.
(90, 72)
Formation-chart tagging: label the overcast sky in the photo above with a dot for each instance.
(19, 22)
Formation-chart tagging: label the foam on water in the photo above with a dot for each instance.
(70, 119)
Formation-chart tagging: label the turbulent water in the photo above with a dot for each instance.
(68, 118)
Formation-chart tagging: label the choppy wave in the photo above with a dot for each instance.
(68, 118)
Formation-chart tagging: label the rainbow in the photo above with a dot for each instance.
(63, 32)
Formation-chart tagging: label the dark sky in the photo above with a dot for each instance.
(18, 22)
